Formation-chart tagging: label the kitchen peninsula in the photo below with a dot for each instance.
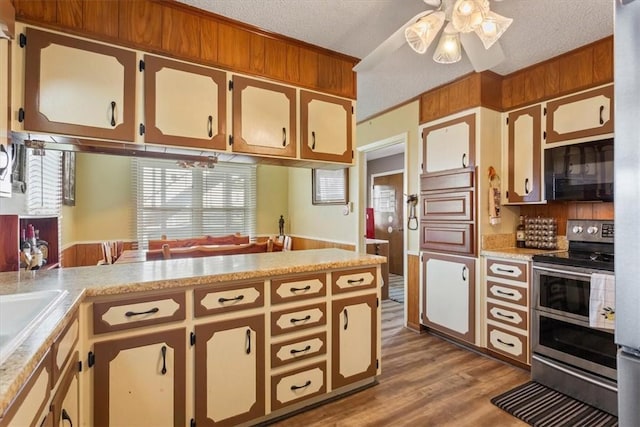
(215, 341)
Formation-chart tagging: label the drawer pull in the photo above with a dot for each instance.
(66, 417)
(509, 344)
(509, 294)
(306, 288)
(223, 300)
(139, 313)
(351, 281)
(505, 270)
(506, 316)
(164, 359)
(298, 387)
(248, 350)
(294, 351)
(346, 319)
(304, 319)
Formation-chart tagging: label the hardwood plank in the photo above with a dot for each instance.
(425, 381)
(413, 292)
(141, 23)
(208, 40)
(603, 210)
(70, 13)
(257, 54)
(292, 72)
(308, 67)
(233, 46)
(101, 17)
(603, 61)
(40, 10)
(576, 70)
(552, 79)
(180, 32)
(275, 58)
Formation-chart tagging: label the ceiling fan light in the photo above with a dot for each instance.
(491, 28)
(420, 34)
(448, 50)
(467, 15)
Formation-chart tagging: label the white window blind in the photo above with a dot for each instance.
(330, 186)
(182, 203)
(44, 182)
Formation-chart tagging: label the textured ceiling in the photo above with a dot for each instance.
(541, 29)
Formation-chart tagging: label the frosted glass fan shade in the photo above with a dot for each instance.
(420, 34)
(492, 28)
(448, 50)
(467, 15)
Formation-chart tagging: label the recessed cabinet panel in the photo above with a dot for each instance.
(326, 127)
(264, 118)
(450, 145)
(79, 88)
(185, 104)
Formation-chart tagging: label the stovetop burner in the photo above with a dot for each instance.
(590, 246)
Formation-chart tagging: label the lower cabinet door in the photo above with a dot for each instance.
(140, 380)
(354, 326)
(65, 405)
(229, 371)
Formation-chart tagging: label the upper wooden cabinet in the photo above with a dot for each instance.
(326, 128)
(524, 153)
(585, 114)
(450, 145)
(76, 87)
(185, 105)
(264, 118)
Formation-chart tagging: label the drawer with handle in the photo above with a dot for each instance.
(508, 270)
(222, 299)
(510, 344)
(299, 318)
(356, 279)
(507, 315)
(508, 293)
(298, 288)
(298, 349)
(298, 385)
(115, 315)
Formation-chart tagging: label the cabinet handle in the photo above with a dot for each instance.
(313, 139)
(586, 166)
(298, 387)
(601, 111)
(504, 270)
(464, 160)
(248, 350)
(138, 313)
(509, 294)
(294, 351)
(222, 300)
(210, 126)
(526, 186)
(113, 113)
(304, 319)
(284, 137)
(164, 359)
(306, 288)
(464, 273)
(66, 417)
(506, 316)
(346, 319)
(509, 344)
(352, 281)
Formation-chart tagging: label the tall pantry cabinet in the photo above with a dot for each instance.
(457, 152)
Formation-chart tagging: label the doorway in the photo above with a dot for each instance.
(386, 200)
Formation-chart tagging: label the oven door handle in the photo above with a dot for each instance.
(573, 373)
(567, 272)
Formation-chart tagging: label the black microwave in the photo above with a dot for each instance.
(580, 172)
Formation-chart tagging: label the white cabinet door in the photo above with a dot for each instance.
(229, 371)
(264, 118)
(326, 127)
(450, 145)
(185, 105)
(354, 338)
(449, 295)
(80, 88)
(524, 153)
(140, 381)
(582, 115)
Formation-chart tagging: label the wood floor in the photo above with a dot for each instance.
(425, 381)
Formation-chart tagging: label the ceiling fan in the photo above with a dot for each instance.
(460, 19)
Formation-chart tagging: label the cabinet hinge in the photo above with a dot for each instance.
(23, 40)
(352, 109)
(192, 338)
(193, 423)
(377, 302)
(377, 363)
(507, 194)
(230, 139)
(507, 119)
(230, 84)
(91, 359)
(141, 66)
(421, 167)
(544, 135)
(351, 154)
(422, 134)
(544, 111)
(21, 115)
(79, 365)
(142, 129)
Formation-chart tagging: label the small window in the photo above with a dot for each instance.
(330, 187)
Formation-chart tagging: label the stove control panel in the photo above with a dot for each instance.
(590, 230)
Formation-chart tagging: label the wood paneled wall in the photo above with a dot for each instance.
(85, 254)
(563, 211)
(174, 29)
(300, 243)
(413, 292)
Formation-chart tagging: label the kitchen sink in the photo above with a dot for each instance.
(20, 314)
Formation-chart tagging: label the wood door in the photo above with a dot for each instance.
(389, 219)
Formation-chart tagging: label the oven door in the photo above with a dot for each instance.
(562, 292)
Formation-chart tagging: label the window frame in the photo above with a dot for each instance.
(316, 178)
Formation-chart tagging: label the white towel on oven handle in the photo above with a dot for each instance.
(602, 298)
